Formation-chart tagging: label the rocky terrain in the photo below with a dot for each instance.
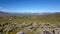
(29, 28)
(30, 24)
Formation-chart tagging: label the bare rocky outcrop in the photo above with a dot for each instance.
(36, 28)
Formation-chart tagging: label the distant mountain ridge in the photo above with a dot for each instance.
(2, 13)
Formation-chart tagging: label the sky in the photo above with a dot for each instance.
(30, 6)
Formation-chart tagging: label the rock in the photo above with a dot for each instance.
(46, 24)
(21, 32)
(57, 31)
(46, 32)
(53, 32)
(35, 25)
(30, 27)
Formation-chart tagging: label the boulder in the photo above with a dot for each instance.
(21, 32)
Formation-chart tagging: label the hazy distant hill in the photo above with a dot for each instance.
(3, 13)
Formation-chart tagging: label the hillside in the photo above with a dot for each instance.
(28, 23)
(3, 13)
(51, 17)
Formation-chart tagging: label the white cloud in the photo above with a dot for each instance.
(2, 9)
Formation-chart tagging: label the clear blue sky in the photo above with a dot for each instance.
(34, 6)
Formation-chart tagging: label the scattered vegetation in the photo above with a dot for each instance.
(12, 24)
